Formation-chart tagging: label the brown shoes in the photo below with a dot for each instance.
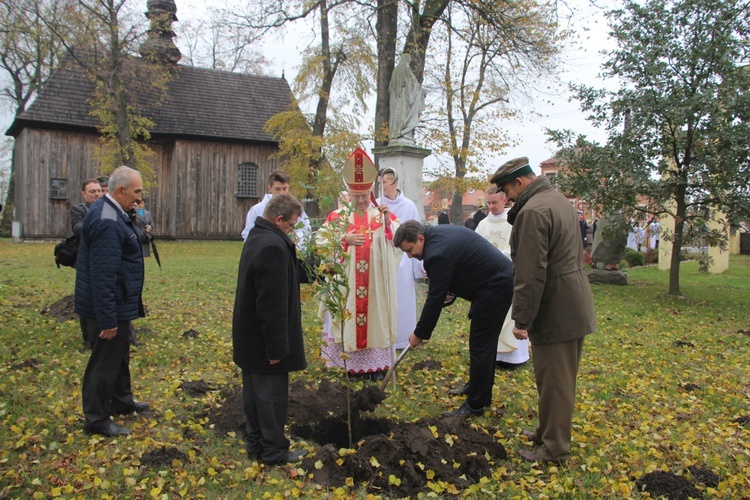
(531, 436)
(533, 456)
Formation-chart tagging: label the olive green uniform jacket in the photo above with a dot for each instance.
(551, 296)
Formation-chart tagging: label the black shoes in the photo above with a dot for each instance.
(109, 430)
(291, 456)
(464, 411)
(134, 408)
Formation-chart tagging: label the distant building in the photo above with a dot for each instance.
(435, 202)
(212, 156)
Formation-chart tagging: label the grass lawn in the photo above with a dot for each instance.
(661, 384)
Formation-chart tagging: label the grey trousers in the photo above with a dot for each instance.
(265, 399)
(556, 368)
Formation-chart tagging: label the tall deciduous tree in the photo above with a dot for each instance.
(678, 126)
(29, 51)
(102, 37)
(336, 78)
(477, 82)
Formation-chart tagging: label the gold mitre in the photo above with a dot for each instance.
(359, 172)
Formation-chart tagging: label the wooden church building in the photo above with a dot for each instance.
(212, 157)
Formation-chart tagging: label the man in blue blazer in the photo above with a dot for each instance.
(109, 281)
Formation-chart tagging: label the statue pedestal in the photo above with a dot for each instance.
(407, 162)
(608, 277)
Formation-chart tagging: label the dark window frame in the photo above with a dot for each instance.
(248, 185)
(58, 188)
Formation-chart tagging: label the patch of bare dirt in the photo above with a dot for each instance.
(27, 363)
(393, 458)
(62, 310)
(163, 457)
(669, 485)
(197, 387)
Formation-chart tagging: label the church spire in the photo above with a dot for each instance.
(160, 44)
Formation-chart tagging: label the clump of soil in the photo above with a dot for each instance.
(27, 363)
(429, 364)
(667, 484)
(705, 476)
(197, 387)
(689, 387)
(190, 334)
(230, 416)
(683, 343)
(163, 456)
(62, 310)
(402, 462)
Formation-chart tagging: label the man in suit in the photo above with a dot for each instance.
(460, 262)
(90, 192)
(552, 302)
(109, 281)
(267, 329)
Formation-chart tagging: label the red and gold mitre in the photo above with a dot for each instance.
(359, 172)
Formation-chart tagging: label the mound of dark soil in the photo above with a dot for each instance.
(230, 416)
(667, 484)
(402, 462)
(62, 310)
(398, 459)
(197, 387)
(705, 476)
(163, 456)
(428, 364)
(320, 413)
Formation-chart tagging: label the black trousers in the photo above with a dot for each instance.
(486, 324)
(106, 382)
(265, 400)
(83, 320)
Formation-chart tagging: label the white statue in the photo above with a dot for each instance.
(407, 103)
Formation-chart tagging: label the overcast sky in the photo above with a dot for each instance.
(581, 62)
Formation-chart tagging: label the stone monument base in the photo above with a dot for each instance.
(407, 162)
(608, 277)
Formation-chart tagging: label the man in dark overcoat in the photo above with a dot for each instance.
(109, 281)
(267, 329)
(461, 263)
(552, 302)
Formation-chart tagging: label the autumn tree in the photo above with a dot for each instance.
(477, 82)
(29, 52)
(102, 37)
(335, 79)
(678, 126)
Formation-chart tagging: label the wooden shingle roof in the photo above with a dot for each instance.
(200, 104)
